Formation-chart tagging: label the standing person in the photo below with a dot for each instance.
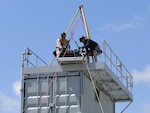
(92, 48)
(61, 44)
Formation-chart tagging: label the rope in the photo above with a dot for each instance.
(33, 93)
(56, 71)
(46, 92)
(100, 104)
(77, 23)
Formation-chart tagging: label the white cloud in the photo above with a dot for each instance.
(8, 105)
(136, 22)
(16, 87)
(113, 27)
(141, 76)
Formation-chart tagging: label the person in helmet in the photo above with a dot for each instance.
(61, 44)
(92, 48)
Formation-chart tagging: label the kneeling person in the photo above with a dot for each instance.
(92, 48)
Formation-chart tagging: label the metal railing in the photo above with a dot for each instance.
(117, 67)
(29, 58)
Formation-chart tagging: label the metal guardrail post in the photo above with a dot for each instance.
(125, 76)
(27, 54)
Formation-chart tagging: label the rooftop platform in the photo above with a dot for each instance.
(103, 77)
(109, 75)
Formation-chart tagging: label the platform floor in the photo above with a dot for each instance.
(71, 60)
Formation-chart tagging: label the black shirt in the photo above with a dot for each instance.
(90, 45)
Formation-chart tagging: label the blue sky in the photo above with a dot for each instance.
(124, 24)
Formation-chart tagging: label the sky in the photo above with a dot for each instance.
(123, 24)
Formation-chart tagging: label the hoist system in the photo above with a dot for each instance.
(72, 85)
(77, 55)
(82, 16)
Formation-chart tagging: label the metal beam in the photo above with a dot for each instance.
(80, 8)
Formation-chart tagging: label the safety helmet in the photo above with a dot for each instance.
(81, 38)
(63, 34)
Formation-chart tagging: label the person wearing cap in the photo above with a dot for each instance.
(92, 48)
(61, 44)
